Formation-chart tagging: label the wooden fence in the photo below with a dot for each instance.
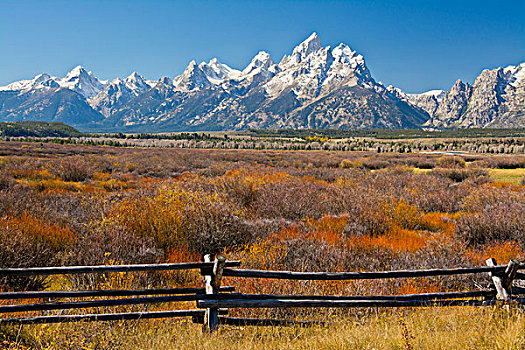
(214, 300)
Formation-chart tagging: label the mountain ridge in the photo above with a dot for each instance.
(312, 87)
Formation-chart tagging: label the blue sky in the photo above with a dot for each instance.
(414, 45)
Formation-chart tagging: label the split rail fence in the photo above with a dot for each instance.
(213, 300)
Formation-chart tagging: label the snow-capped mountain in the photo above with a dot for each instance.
(304, 90)
(193, 78)
(261, 68)
(312, 70)
(78, 80)
(83, 82)
(314, 86)
(495, 99)
(217, 72)
(136, 83)
(41, 81)
(429, 101)
(204, 75)
(117, 93)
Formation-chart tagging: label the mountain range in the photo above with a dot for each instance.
(313, 87)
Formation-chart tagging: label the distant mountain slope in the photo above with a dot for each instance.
(313, 87)
(495, 99)
(49, 104)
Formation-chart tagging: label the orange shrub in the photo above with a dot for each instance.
(182, 254)
(33, 174)
(417, 286)
(28, 241)
(439, 222)
(396, 239)
(40, 231)
(502, 252)
(329, 223)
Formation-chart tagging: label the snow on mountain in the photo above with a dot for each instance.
(398, 93)
(313, 87)
(82, 81)
(117, 93)
(304, 49)
(40, 81)
(438, 94)
(78, 79)
(260, 62)
(217, 72)
(515, 74)
(204, 75)
(348, 68)
(136, 83)
(312, 70)
(193, 78)
(260, 69)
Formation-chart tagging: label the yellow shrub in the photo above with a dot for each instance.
(174, 216)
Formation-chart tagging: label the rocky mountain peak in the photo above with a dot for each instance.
(40, 78)
(76, 72)
(218, 72)
(82, 81)
(261, 61)
(495, 99)
(261, 69)
(119, 92)
(166, 81)
(515, 74)
(344, 54)
(313, 70)
(193, 78)
(398, 93)
(311, 44)
(452, 107)
(459, 86)
(313, 87)
(136, 83)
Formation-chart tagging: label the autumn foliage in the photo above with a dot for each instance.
(296, 210)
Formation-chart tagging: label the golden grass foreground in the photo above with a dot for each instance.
(431, 328)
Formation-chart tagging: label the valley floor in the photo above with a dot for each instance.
(73, 204)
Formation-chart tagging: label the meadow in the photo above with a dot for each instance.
(301, 210)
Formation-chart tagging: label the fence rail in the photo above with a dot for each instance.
(104, 293)
(67, 270)
(343, 276)
(213, 299)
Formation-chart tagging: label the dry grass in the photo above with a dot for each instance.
(433, 328)
(513, 176)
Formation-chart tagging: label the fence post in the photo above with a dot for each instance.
(213, 283)
(503, 283)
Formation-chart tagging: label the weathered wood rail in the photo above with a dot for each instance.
(68, 270)
(214, 300)
(136, 296)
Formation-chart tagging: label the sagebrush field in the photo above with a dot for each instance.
(272, 209)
